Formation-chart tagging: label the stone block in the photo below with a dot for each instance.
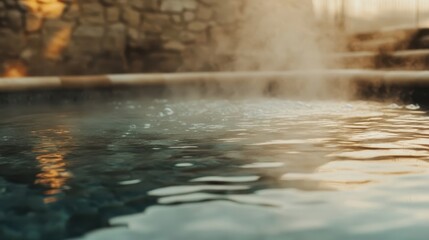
(131, 17)
(110, 63)
(108, 2)
(89, 31)
(209, 2)
(138, 4)
(14, 20)
(33, 22)
(178, 6)
(190, 4)
(176, 18)
(72, 13)
(155, 22)
(152, 42)
(197, 26)
(172, 32)
(151, 5)
(115, 39)
(136, 65)
(188, 37)
(11, 43)
(112, 14)
(86, 39)
(34, 41)
(174, 46)
(92, 13)
(159, 18)
(78, 64)
(10, 3)
(205, 13)
(188, 16)
(163, 62)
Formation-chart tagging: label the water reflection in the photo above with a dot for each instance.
(254, 169)
(347, 175)
(51, 149)
(322, 174)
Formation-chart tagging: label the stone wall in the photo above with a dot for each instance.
(73, 37)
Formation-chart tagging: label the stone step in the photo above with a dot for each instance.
(384, 40)
(400, 60)
(386, 44)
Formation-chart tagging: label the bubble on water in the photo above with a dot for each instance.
(5, 138)
(184, 189)
(413, 107)
(130, 182)
(161, 114)
(133, 126)
(169, 111)
(131, 107)
(147, 125)
(184, 165)
(264, 165)
(230, 179)
(183, 147)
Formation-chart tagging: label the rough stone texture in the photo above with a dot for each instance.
(53, 37)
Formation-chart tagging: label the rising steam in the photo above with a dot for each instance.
(280, 35)
(284, 35)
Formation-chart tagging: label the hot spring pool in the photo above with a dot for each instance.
(215, 169)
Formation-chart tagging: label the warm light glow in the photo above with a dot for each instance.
(58, 43)
(14, 69)
(45, 8)
(51, 149)
(50, 9)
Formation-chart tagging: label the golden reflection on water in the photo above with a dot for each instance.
(358, 151)
(347, 175)
(50, 149)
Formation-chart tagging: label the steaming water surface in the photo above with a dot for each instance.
(215, 169)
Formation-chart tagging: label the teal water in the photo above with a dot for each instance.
(215, 169)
